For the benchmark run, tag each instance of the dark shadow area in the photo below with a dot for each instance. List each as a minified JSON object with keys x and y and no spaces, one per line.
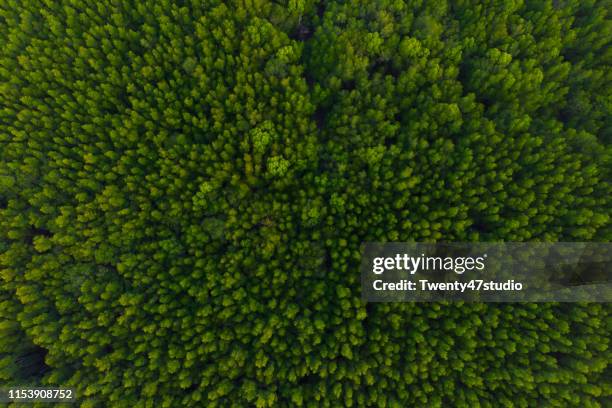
{"x":32,"y":364}
{"x":36,"y":231}
{"x":320,"y":117}
{"x":348,"y":85}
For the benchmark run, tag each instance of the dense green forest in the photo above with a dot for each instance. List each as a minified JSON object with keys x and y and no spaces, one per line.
{"x":185,"y":186}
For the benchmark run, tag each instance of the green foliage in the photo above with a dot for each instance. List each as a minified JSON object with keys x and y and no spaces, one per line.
{"x":185,"y":186}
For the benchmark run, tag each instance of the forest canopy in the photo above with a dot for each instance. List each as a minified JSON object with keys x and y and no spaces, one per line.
{"x":185,"y":186}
